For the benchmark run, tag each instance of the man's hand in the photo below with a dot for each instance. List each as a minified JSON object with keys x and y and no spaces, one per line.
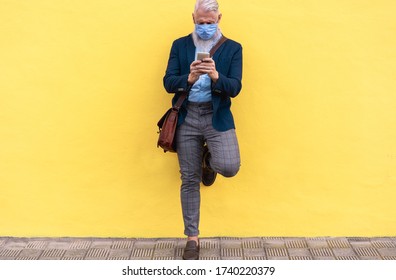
{"x":208,"y":67}
{"x":198,"y":68}
{"x":194,"y":72}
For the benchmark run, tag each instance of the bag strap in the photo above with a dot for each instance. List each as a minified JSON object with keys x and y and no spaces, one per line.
{"x":180,"y":101}
{"x":218,"y":44}
{"x":183,"y":96}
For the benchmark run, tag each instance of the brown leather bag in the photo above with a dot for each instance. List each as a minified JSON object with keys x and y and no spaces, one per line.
{"x":167,"y":126}
{"x":168,"y":123}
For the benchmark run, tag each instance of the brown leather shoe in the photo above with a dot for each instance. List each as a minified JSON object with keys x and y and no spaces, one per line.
{"x":208,"y":174}
{"x":191,"y":251}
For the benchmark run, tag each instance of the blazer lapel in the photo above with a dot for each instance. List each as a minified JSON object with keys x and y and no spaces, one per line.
{"x":190,"y":50}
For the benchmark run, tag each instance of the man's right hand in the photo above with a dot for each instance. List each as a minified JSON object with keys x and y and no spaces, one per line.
{"x":194,"y":72}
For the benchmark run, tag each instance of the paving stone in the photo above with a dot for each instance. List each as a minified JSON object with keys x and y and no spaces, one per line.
{"x":338,"y":243}
{"x":75,"y":254}
{"x":236,"y":253}
{"x":17,"y":244}
{"x":179,"y":253}
{"x":181,"y":243}
{"x":72,"y":258}
{"x":273,"y":238}
{"x":209,"y":258}
{"x":278,"y":258}
{"x":142,"y":253}
{"x":39,"y":244}
{"x":120,"y":254}
{"x":252,"y":243}
{"x":343,"y":252}
{"x":367,"y":253}
{"x":30,"y":254}
{"x":317,"y":242}
{"x":231,"y":238}
{"x":52,"y":254}
{"x":164,"y":252}
{"x":277,"y":253}
{"x":63,"y":245}
{"x":389,"y":258}
{"x":215,"y":252}
{"x":162,"y":258}
{"x":231,"y":254}
{"x":383,"y":243}
{"x":80,"y":244}
{"x":296,"y":243}
{"x":6,"y":254}
{"x":318,"y":258}
{"x":230,"y":243}
{"x":165,"y":245}
{"x":255,"y":258}
{"x":26,"y":258}
{"x":301,"y":258}
{"x":387,"y":252}
{"x":101,"y":244}
{"x":255,"y":252}
{"x":122,"y":244}
{"x":145,"y":244}
{"x":358,"y":239}
{"x":322,"y":253}
{"x":347,"y":258}
{"x":299,"y":252}
{"x":359,"y":242}
{"x":274,"y":242}
{"x":97,"y":254}
{"x":209,"y":244}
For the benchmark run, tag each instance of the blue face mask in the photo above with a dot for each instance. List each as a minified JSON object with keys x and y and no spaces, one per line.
{"x":206,"y":31}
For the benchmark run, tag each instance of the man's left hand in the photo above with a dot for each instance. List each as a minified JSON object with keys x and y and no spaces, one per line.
{"x":208,"y":67}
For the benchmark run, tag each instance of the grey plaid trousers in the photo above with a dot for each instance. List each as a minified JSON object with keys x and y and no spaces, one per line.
{"x":190,"y":138}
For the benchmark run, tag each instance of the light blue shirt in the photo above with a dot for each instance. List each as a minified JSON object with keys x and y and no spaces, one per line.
{"x":201,"y":91}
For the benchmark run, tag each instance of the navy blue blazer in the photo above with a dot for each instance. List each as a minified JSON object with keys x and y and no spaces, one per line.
{"x":228,"y":60}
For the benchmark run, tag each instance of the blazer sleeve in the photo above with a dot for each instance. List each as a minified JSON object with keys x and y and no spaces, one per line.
{"x":229,"y":83}
{"x":175,"y":80}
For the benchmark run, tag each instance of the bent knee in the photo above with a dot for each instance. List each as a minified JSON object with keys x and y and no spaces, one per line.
{"x":229,"y":170}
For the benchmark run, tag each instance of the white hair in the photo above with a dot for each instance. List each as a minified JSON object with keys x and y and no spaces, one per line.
{"x":207,"y":5}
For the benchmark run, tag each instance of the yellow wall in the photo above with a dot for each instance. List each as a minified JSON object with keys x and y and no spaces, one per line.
{"x":81,"y":91}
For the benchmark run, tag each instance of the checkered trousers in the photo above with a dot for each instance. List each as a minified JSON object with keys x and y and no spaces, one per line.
{"x":225,"y":158}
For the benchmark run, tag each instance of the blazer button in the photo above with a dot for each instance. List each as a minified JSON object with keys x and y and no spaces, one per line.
{"x":180,"y":89}
{"x":217,"y":91}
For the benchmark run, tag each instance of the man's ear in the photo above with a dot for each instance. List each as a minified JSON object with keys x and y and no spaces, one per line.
{"x":219,"y":18}
{"x":193,"y":18}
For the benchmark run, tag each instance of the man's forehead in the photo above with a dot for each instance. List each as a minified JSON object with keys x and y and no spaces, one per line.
{"x":202,"y":14}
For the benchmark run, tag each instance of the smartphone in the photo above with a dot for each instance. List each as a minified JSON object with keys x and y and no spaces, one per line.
{"x":202,"y":55}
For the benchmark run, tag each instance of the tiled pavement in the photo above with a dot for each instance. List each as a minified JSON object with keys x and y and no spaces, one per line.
{"x":222,"y":248}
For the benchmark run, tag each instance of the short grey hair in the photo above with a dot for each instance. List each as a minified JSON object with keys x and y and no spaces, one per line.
{"x":207,"y":5}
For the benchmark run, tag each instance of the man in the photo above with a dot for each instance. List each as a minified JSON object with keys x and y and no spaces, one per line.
{"x":206,"y":142}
